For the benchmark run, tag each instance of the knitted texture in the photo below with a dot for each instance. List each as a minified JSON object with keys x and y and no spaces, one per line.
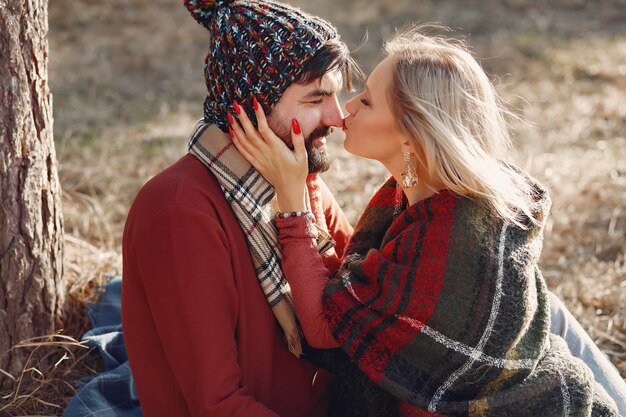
{"x":443,"y":306}
{"x":256,"y":48}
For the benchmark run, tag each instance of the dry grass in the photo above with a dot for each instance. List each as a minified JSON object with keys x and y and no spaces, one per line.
{"x":127,"y":82}
{"x":45,"y":384}
{"x":56,"y":361}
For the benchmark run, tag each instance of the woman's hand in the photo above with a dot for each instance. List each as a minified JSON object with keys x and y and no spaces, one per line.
{"x":285,"y":169}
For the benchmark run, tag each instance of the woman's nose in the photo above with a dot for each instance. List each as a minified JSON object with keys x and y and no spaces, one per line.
{"x":350,"y":106}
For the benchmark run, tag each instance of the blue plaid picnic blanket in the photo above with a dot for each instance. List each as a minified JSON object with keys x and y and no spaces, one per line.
{"x":112,"y":391}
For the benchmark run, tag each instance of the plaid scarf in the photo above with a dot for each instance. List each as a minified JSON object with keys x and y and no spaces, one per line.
{"x":443,"y":305}
{"x":251,"y":198}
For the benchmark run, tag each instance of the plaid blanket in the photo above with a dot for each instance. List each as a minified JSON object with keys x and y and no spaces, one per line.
{"x":443,"y":306}
{"x":111,"y":392}
{"x":251,"y":198}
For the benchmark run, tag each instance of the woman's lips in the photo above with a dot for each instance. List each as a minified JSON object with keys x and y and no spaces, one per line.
{"x":344,"y":128}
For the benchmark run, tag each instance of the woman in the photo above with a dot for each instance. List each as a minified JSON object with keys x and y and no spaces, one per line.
{"x":439,"y":300}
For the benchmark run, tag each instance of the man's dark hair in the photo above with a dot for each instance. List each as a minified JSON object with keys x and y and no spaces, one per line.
{"x":334,"y":55}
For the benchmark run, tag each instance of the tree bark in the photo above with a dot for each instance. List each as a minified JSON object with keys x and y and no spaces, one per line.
{"x":31,"y":223}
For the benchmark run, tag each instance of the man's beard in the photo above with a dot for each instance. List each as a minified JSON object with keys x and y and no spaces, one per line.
{"x":318,"y":158}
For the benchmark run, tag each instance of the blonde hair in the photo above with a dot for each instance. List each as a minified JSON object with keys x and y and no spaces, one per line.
{"x":443,"y":100}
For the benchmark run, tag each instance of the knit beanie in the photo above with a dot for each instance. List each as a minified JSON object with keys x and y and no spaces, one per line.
{"x":256,"y":48}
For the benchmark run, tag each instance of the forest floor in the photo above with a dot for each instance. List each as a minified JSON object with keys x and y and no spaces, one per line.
{"x":127,"y":80}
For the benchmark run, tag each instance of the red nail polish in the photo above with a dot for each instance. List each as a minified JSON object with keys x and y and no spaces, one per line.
{"x":236,"y":107}
{"x":255,"y":103}
{"x":296,"y":126}
{"x":231,"y":133}
{"x":231,"y":119}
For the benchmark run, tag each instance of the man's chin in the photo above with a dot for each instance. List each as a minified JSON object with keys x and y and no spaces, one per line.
{"x":319,"y":159}
{"x":318,"y":169}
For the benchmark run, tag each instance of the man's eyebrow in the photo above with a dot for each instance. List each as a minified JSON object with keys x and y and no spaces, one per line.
{"x":318,"y":92}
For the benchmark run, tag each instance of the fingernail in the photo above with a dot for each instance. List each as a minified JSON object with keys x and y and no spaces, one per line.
{"x":236,"y":107}
{"x":231,"y":119}
{"x":255,"y":103}
{"x":296,"y":126}
{"x":231,"y":133}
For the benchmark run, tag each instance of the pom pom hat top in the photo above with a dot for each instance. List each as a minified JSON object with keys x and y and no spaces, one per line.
{"x":256,"y":48}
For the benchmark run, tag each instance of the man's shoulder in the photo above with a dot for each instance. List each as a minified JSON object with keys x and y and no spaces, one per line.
{"x":186,"y":183}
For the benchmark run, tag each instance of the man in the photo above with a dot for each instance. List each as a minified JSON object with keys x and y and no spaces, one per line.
{"x":207,"y":318}
{"x":201,"y":333}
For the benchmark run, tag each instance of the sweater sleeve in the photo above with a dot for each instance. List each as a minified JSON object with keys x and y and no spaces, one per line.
{"x":185,"y":262}
{"x":307,"y":277}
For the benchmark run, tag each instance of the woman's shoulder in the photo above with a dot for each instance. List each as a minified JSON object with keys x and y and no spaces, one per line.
{"x":476,"y":211}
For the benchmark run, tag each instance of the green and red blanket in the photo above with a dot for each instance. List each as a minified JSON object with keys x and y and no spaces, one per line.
{"x":443,"y":305}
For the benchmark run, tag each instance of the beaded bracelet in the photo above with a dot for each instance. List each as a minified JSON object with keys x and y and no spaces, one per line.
{"x":291,"y":214}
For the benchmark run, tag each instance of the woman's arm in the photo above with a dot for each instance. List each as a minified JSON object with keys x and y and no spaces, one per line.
{"x":307,"y":277}
{"x":287,"y":170}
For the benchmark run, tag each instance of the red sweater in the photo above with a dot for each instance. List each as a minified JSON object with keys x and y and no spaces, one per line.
{"x":200,"y":336}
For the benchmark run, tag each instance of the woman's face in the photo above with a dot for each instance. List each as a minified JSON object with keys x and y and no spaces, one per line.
{"x":370,"y":128}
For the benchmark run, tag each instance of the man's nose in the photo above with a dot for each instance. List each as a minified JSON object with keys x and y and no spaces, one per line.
{"x":333,"y":116}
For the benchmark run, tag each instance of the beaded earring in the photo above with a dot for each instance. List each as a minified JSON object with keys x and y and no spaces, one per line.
{"x":409,"y":175}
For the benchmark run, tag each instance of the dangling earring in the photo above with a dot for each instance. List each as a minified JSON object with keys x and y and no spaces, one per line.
{"x":409,"y":175}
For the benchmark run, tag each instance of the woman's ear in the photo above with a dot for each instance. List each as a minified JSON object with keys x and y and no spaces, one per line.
{"x":410,"y":148}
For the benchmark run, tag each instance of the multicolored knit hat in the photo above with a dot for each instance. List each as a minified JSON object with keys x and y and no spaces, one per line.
{"x":256,"y":48}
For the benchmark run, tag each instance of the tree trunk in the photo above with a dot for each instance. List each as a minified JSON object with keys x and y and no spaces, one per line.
{"x":31,"y":224}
